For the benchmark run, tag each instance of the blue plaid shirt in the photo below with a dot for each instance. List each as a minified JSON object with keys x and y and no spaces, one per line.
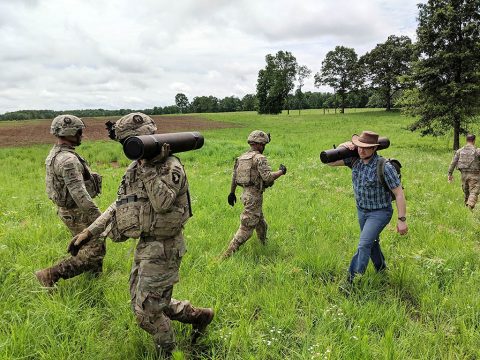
{"x":369,"y":192}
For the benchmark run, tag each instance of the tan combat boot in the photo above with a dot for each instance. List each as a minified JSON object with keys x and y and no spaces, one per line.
{"x":46,"y":277}
{"x":230,"y":250}
{"x":202,"y":319}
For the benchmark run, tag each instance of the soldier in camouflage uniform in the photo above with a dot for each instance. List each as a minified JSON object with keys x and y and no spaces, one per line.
{"x":71,"y":185}
{"x":252,"y":172}
{"x":467,"y":160}
{"x":152,"y":205}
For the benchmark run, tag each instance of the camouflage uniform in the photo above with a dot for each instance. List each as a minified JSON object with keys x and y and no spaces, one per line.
{"x":467,"y":160}
{"x":260,"y":177}
{"x":71,"y":185}
{"x":153,"y":205}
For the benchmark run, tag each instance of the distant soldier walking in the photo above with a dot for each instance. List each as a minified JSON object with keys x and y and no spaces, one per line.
{"x":467,"y":160}
{"x":252,"y":172}
{"x":153,"y":206}
{"x":71,"y":185}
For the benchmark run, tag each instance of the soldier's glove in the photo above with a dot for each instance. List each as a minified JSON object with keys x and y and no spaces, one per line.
{"x":77,"y":242}
{"x":232,"y":199}
{"x":283,"y":169}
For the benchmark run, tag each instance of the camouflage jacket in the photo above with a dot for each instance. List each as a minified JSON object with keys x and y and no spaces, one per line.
{"x":69,"y":181}
{"x":466,"y":159}
{"x":152,"y":200}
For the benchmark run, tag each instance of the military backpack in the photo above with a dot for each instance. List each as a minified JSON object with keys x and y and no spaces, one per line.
{"x":467,"y":156}
{"x":381,"y":172}
{"x":245,"y":174}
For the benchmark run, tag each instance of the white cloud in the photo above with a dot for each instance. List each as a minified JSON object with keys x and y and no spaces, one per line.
{"x":68,"y":54}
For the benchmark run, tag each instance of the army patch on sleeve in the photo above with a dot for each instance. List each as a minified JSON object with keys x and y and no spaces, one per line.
{"x":176,"y":177}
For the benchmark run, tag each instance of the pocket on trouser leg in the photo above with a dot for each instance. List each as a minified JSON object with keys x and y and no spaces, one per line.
{"x":155,"y":276}
{"x":93,"y":251}
{"x":249,"y":220}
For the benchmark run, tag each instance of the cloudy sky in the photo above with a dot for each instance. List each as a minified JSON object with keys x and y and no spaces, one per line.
{"x":111,"y":54}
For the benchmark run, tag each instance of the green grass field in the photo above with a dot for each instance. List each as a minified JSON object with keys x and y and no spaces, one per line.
{"x":281,"y":301}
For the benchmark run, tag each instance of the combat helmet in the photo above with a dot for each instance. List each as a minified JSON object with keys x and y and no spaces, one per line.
{"x":134,"y":124}
{"x":259,"y":137}
{"x":66,"y":125}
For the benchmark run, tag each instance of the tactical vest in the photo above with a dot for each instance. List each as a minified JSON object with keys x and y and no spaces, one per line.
{"x":246,"y":173}
{"x":135,"y":215}
{"x":57,"y":191}
{"x":468,"y":159}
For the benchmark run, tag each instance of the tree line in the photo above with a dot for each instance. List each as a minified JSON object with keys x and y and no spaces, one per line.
{"x":436,"y":79}
{"x":209,"y":104}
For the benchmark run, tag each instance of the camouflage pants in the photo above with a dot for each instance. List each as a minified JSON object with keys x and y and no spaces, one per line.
{"x":155,"y":271}
{"x":471,"y":187}
{"x":90,"y":256}
{"x":251,"y":219}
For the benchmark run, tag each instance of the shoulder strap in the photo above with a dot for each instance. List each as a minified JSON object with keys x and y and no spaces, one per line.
{"x":381,"y":172}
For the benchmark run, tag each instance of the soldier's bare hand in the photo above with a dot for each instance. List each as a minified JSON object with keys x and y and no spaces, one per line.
{"x":162,"y":156}
{"x":450,"y":178}
{"x":77,"y":242}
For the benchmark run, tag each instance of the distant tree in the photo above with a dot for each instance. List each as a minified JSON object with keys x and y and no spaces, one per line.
{"x":229,"y":104}
{"x":275,"y":82}
{"x":341,"y":71}
{"x":303,"y":72}
{"x":203,"y":104}
{"x":358,"y":98}
{"x":171,"y":109}
{"x":157,"y":110}
{"x":249,"y":102}
{"x":315,"y":100}
{"x":448,"y":71}
{"x":386,"y":64}
{"x":182,"y":103}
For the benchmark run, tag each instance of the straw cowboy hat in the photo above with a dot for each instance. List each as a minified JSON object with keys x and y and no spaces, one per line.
{"x":366,"y":139}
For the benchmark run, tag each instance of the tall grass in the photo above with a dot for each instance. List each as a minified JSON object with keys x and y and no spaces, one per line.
{"x":273,"y":302}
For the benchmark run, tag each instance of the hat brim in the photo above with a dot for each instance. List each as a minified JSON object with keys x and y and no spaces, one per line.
{"x":358,"y":143}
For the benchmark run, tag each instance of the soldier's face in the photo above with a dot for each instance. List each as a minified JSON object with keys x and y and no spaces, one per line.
{"x":75,"y":140}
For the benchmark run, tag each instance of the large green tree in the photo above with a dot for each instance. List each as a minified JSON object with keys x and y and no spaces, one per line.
{"x":249,"y":102}
{"x":340,"y":70}
{"x":275,"y":82}
{"x":303,"y":72}
{"x":448,"y":71}
{"x":386,"y":64}
{"x":181,"y":101}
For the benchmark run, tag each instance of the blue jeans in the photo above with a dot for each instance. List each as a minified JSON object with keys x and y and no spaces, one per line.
{"x":372,"y":222}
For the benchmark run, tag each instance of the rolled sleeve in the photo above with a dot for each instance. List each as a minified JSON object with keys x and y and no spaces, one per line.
{"x":72,"y":173}
{"x":265,"y":170}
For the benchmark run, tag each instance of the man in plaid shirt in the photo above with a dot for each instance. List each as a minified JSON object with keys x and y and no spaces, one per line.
{"x":374,"y":205}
